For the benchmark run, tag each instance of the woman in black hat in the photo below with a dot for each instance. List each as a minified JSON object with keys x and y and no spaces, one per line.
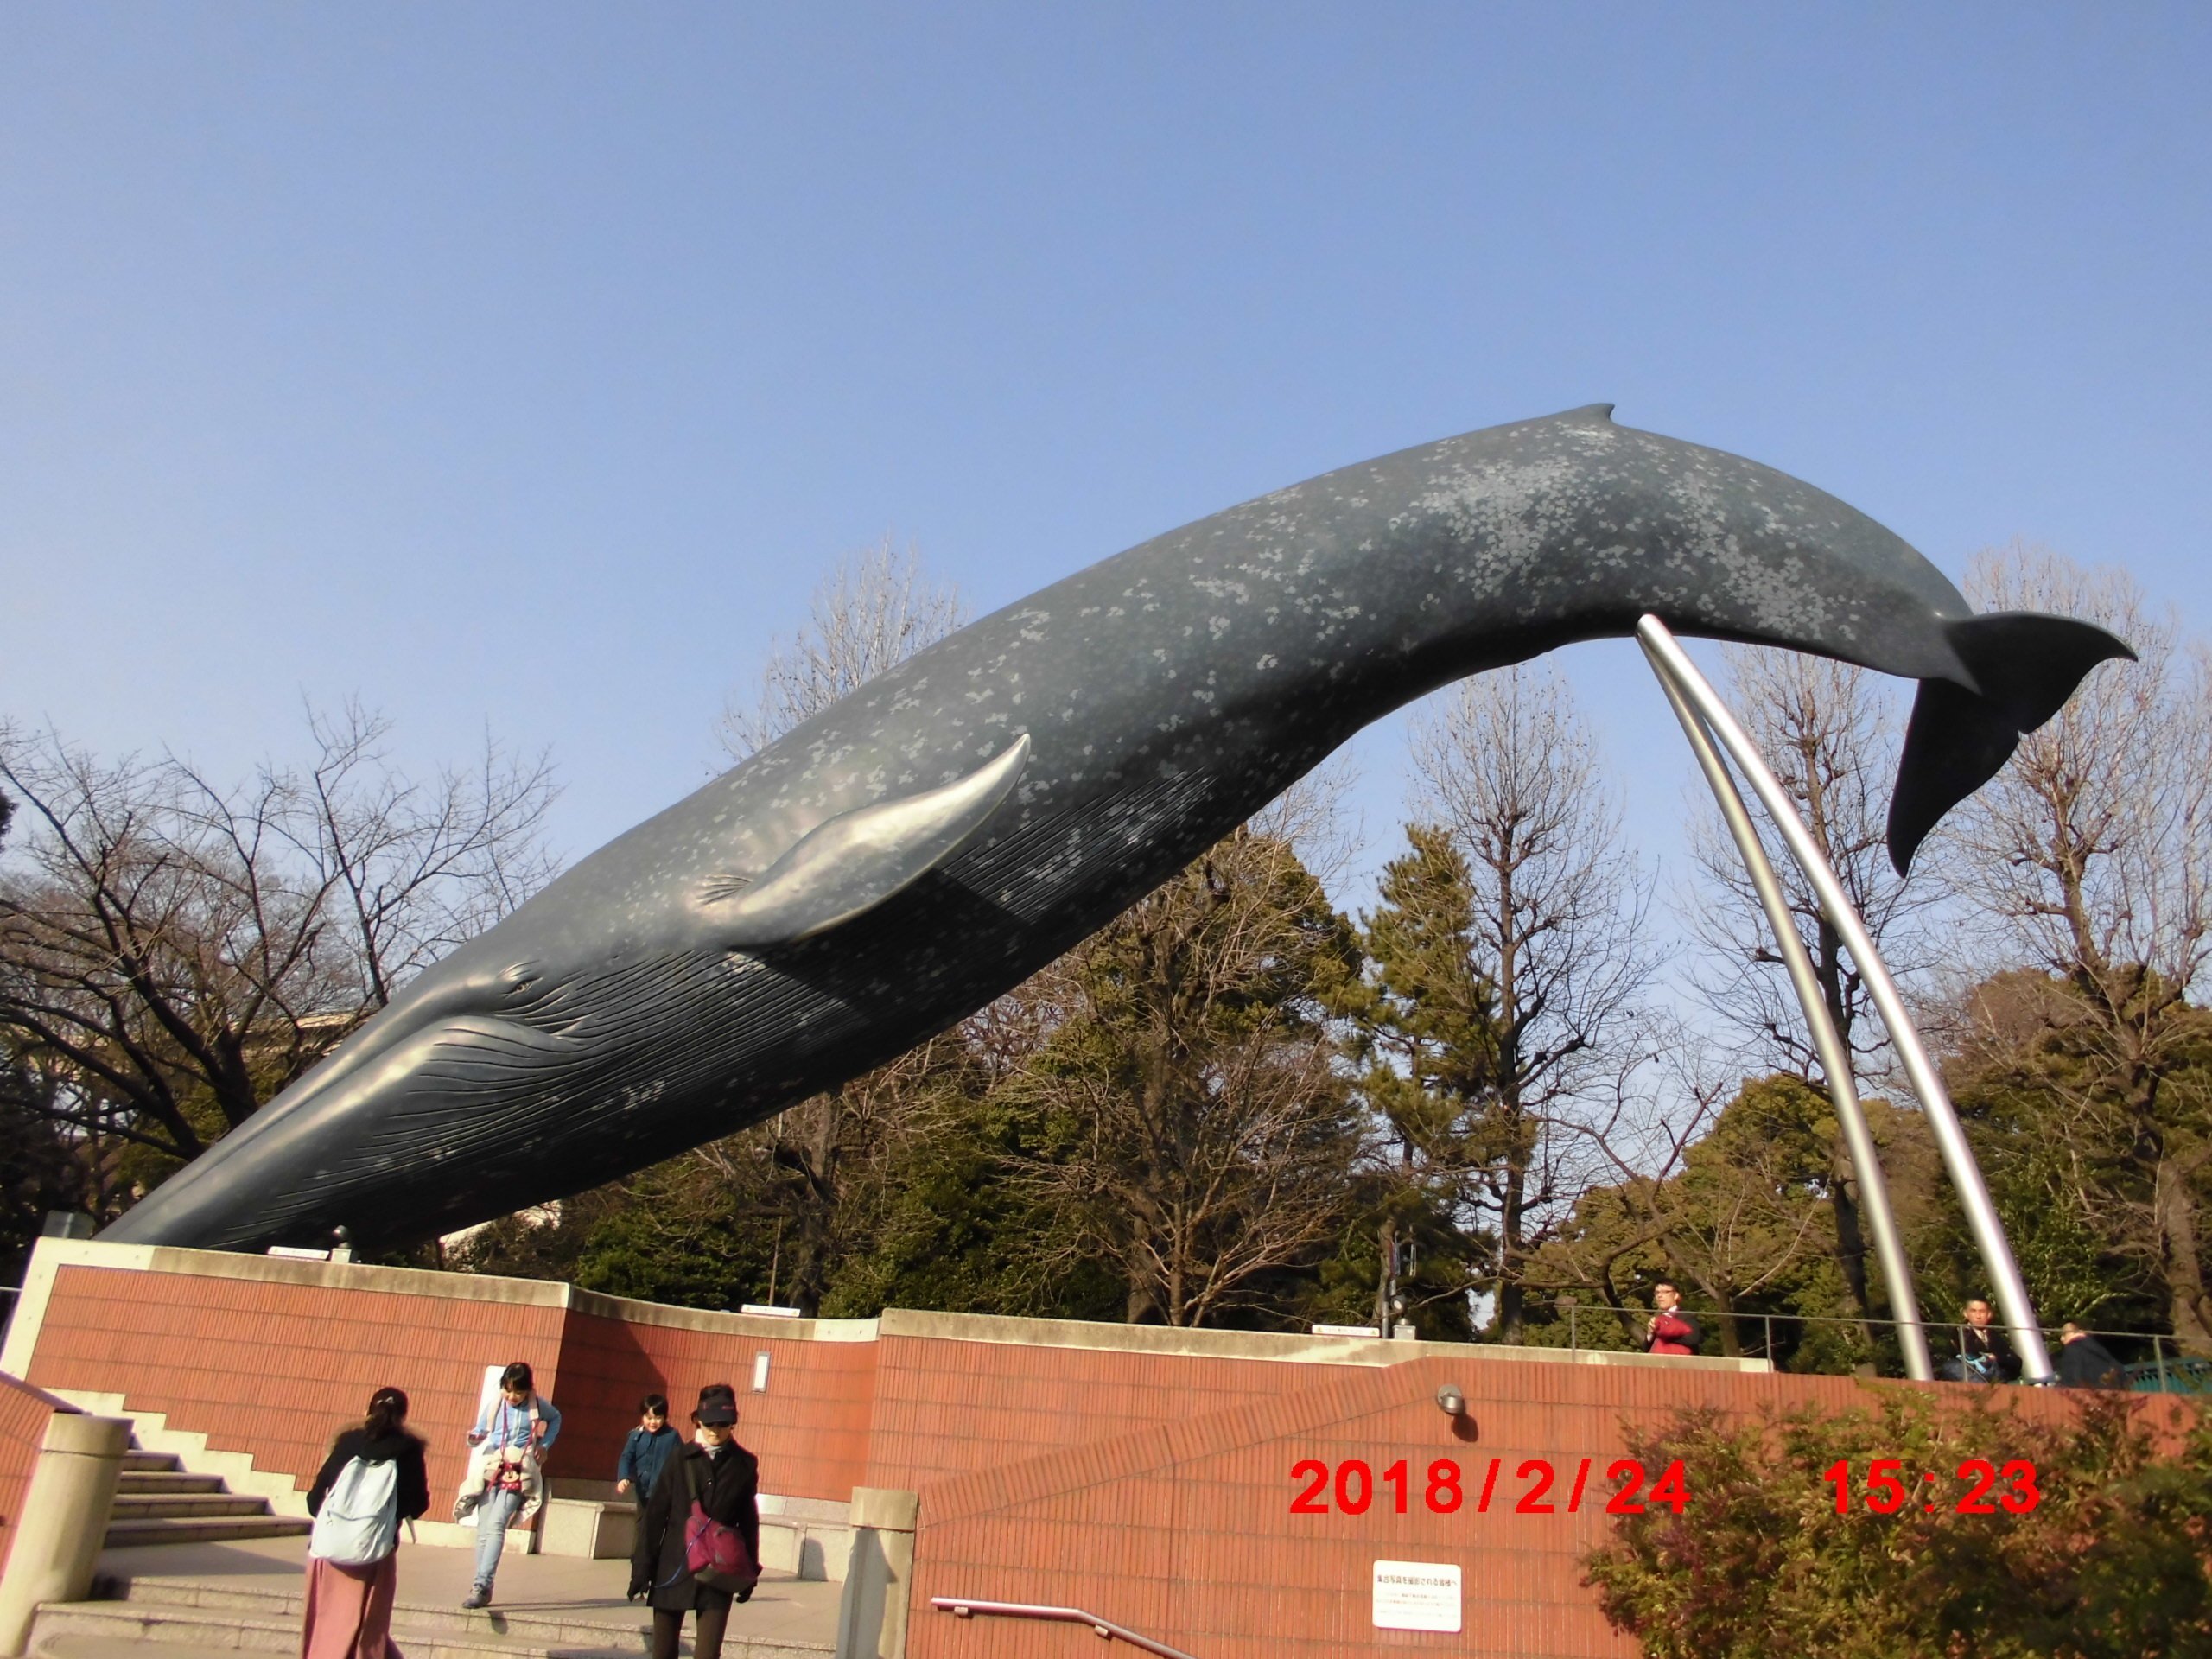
{"x":722,"y":1479}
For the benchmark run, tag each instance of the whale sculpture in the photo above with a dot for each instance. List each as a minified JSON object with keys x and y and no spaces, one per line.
{"x":925,"y":843}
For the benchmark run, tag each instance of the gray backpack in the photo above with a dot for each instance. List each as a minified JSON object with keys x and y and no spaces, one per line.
{"x":358,"y":1524}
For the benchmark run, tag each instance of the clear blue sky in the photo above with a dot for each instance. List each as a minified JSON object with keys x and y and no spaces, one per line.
{"x":524,"y":365}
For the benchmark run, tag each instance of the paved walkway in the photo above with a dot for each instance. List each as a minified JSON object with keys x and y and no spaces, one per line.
{"x":534,"y":1595}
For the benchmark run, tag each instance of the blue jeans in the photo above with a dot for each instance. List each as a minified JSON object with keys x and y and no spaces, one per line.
{"x":491,"y":1517}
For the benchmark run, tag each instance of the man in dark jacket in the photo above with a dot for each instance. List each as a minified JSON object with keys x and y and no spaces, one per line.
{"x":1985,"y":1352}
{"x":723,"y":1479}
{"x":2085,"y":1363}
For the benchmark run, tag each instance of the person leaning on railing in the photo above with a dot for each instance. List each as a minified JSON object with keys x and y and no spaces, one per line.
{"x":2085,"y":1363}
{"x":1985,"y":1352}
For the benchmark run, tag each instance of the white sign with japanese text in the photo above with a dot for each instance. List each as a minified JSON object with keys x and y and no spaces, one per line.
{"x":1416,"y":1596}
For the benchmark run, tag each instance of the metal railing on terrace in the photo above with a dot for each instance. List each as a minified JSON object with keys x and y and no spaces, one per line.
{"x":2153,"y":1362}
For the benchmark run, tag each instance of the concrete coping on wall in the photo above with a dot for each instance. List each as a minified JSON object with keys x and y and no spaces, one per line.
{"x":1277,"y":1345}
{"x":885,"y":1509}
{"x":51,"y":1255}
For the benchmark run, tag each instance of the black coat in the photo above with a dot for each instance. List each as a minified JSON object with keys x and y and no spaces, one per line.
{"x":1992,"y":1345}
{"x":729,"y":1487}
{"x":397,"y":1446}
{"x":2085,"y":1363}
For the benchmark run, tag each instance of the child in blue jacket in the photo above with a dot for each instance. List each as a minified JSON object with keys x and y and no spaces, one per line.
{"x":645,"y":1452}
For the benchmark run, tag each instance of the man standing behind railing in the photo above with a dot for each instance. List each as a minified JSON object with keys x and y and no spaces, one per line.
{"x":1668,"y":1331}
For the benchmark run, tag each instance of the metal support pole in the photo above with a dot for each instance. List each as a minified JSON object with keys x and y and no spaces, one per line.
{"x":1982,"y":1221}
{"x":1835,"y":1059}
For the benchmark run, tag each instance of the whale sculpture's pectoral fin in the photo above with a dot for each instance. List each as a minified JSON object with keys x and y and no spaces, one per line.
{"x":2026,"y":666}
{"x":851,"y":864}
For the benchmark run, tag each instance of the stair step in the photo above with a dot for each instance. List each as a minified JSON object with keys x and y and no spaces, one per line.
{"x":418,"y":1626}
{"x":74,"y":1645}
{"x":65,"y":1630}
{"x":203,"y":1529}
{"x":155,"y":1506}
{"x":215,"y":1600}
{"x":136,"y":1461}
{"x":167,"y":1480}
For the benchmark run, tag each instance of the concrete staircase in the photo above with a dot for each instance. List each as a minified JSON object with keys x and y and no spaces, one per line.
{"x":158,"y":1502}
{"x":181,"y":1620}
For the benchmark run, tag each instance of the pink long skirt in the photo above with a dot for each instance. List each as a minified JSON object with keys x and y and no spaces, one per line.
{"x":349,"y":1611}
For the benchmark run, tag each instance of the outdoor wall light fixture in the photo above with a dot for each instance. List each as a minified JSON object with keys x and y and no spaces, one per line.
{"x":1450,"y":1401}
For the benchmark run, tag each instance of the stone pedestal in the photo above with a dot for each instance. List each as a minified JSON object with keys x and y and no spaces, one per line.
{"x":879,"y":1579}
{"x":64,"y":1519}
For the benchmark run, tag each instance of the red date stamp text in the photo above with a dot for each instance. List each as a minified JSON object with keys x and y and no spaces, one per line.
{"x":1353,"y":1487}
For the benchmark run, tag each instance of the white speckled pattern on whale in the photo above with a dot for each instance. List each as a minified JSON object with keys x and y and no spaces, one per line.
{"x":889,"y":866}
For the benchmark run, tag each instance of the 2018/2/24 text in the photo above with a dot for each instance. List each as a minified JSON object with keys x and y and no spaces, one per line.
{"x":1350,"y":1488}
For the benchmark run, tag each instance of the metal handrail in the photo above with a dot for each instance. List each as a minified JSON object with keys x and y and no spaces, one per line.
{"x":2158,"y":1364}
{"x":967,"y":1607}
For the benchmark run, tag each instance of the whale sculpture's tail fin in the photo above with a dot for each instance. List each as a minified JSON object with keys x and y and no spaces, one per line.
{"x":2027,"y":664}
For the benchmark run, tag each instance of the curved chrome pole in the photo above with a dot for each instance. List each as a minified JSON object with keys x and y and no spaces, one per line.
{"x":1982,"y":1220}
{"x":1835,"y":1059}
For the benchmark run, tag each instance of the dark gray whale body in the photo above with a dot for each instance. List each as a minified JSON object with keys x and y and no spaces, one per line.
{"x":925,"y":844}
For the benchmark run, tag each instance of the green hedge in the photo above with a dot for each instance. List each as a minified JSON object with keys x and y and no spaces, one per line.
{"x":2114,"y":1561}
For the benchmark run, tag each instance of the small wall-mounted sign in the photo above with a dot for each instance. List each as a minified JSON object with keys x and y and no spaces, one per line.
{"x":760,"y":1372}
{"x":1416,"y":1596}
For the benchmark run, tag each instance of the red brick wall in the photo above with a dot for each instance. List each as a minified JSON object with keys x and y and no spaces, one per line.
{"x":946,"y":1408}
{"x":1150,"y":1487}
{"x":809,"y":1429}
{"x":1184,"y":1531}
{"x":23,"y":1413}
{"x":276,"y":1369}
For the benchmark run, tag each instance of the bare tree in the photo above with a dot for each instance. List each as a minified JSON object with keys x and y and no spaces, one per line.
{"x":798,"y":1170}
{"x":1315,"y":819}
{"x":876,"y":609}
{"x":1509,"y":774}
{"x":2091,"y":854}
{"x":174,"y":951}
{"x":1831,"y":736}
{"x":1716,"y":1184}
{"x":1642,"y":1136}
{"x":1197,"y":1131}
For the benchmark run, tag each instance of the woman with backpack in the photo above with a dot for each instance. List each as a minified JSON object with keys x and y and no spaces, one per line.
{"x":699,"y":1540}
{"x":371,"y":1481}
